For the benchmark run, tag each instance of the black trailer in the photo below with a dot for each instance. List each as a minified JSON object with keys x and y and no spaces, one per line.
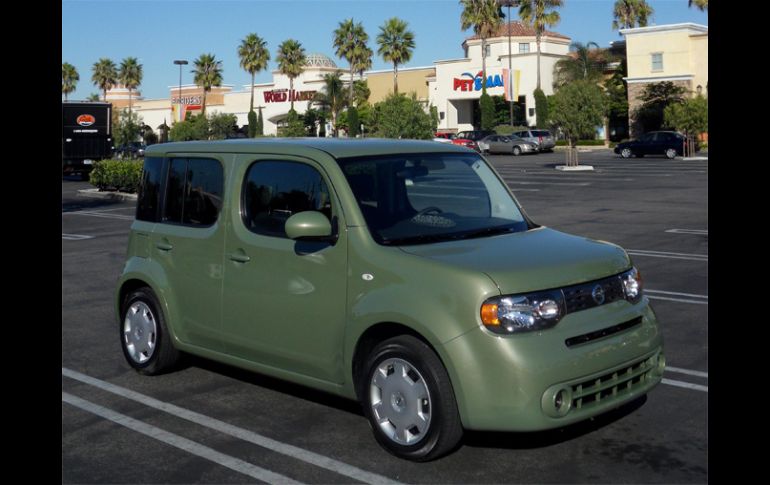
{"x":86,"y":135}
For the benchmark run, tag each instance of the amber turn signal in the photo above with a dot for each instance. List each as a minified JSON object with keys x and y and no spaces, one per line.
{"x":489,"y":314}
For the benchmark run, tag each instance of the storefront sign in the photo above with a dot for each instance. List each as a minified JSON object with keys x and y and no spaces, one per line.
{"x":469,"y":82}
{"x":86,"y":120}
{"x":283,"y":95}
{"x":187,"y":100}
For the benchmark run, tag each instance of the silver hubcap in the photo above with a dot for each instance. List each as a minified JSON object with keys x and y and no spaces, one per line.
{"x":670,"y":153}
{"x":140,"y":333}
{"x":626,"y":153}
{"x":400,"y":401}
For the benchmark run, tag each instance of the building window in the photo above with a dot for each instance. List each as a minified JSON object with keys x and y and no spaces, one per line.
{"x":657,"y":61}
{"x":523,"y":48}
{"x":487,"y":50}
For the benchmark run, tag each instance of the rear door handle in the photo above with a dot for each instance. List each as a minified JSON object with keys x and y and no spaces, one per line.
{"x":164,"y":246}
{"x":240,"y":257}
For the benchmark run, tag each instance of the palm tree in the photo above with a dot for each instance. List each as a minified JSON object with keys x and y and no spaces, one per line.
{"x":588,"y":64}
{"x":630,"y":13}
{"x":291,"y":63}
{"x":105,"y":75}
{"x":130,"y":76}
{"x":701,"y":4}
{"x":350,"y":42}
{"x":207,"y":74}
{"x":332,"y":98}
{"x":69,"y":78}
{"x":485,"y":16}
{"x":93,"y":97}
{"x":534,"y":13}
{"x":254,"y":56}
{"x":396,"y":45}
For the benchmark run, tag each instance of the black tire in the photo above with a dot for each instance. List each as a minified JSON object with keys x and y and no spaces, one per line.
{"x":516,"y":150}
{"x":671,"y":153}
{"x":626,"y":153}
{"x":164,"y":356}
{"x":444,"y":429}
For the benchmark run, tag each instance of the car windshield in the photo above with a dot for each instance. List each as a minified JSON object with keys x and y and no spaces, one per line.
{"x":430,"y":197}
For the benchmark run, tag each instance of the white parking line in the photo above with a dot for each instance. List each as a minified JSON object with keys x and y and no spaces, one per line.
{"x":703,"y":232}
{"x":571,"y":184}
{"x":680,"y":300}
{"x":240,"y":433}
{"x":666,"y":254}
{"x":675,"y":293}
{"x":177,"y":441}
{"x":689,"y":372}
{"x":686,"y":385}
{"x":75,"y":237}
{"x":99,"y":214}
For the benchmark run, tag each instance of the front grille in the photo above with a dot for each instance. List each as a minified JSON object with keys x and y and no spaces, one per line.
{"x":580,"y":297}
{"x":612,"y":385}
{"x":601,"y":333}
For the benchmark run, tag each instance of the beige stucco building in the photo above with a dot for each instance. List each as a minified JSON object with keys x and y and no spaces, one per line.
{"x":675,"y":52}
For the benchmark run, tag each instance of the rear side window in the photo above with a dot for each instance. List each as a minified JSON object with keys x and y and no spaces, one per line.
{"x":148,"y":200}
{"x":194,"y":191}
{"x":541,"y":133}
{"x":274,"y":191}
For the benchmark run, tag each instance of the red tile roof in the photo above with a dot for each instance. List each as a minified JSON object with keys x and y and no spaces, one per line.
{"x":519,"y":29}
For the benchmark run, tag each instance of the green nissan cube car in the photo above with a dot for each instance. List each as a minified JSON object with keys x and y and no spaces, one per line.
{"x":402,"y":274}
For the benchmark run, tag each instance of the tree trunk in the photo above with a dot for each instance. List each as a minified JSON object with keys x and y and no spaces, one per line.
{"x":291,"y":90}
{"x":483,"y":63}
{"x":203,"y":108}
{"x":538,"y":61}
{"x":251,"y":104}
{"x":395,"y":78}
{"x":129,"y":102}
{"x":105,"y":95}
{"x":350,"y":100}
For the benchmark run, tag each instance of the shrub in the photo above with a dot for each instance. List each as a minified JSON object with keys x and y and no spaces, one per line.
{"x":252,"y":124}
{"x":508,"y":129}
{"x":401,"y":116}
{"x":353,"y":122}
{"x":122,"y":175}
{"x":562,"y":143}
{"x":487,"y":107}
{"x":541,"y":108}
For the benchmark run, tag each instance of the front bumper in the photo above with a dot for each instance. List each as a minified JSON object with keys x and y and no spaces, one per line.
{"x":514,"y":383}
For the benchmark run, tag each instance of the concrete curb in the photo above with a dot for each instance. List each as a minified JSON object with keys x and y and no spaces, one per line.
{"x":579,"y":168}
{"x":97,"y":194}
{"x":688,"y":159}
{"x":583,"y":149}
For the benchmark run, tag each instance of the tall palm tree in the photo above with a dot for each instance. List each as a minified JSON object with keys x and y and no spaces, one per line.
{"x":485,"y":16}
{"x":628,"y":14}
{"x":396,"y":45}
{"x":533,"y":12}
{"x":130,"y":76}
{"x":69,"y":78}
{"x":254,"y":56}
{"x":104,"y":75}
{"x":93,"y":97}
{"x":207,"y":74}
{"x":701,"y":4}
{"x":587,"y":64}
{"x":332,"y":97}
{"x":291,"y":62}
{"x":350,"y":43}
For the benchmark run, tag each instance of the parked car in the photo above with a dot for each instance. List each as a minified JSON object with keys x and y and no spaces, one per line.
{"x":131,"y":150}
{"x":465,"y":142}
{"x":475,"y":135}
{"x":668,"y":143}
{"x":506,"y":144}
{"x":542,"y":138}
{"x":444,"y":137}
{"x":366,"y":270}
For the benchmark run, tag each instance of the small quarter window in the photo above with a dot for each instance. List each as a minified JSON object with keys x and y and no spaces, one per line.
{"x":657,"y":61}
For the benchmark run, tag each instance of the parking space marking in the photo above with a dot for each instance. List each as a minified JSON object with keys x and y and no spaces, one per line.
{"x":234,"y":431}
{"x":676,"y":293}
{"x":686,"y":385}
{"x":75,"y":237}
{"x":571,"y":184}
{"x":680,"y":300}
{"x":177,"y":441}
{"x":666,"y":254}
{"x":689,"y":372}
{"x":703,"y":232}
{"x":99,"y":214}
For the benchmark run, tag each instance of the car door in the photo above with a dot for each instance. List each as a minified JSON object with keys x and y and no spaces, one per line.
{"x":494,"y":144}
{"x":284,"y":300}
{"x":187,"y":243}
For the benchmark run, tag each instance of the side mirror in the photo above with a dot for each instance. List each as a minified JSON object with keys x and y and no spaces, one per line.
{"x":310,"y":225}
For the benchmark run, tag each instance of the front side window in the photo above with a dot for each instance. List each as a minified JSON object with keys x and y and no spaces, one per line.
{"x":523,"y":48}
{"x":657,"y":61}
{"x":194,"y":191}
{"x":430,"y":197}
{"x":148,"y":199}
{"x":274,"y":191}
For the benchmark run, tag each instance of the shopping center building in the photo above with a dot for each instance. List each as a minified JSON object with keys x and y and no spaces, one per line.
{"x":453,"y":86}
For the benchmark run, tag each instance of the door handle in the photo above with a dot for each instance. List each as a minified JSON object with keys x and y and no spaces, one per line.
{"x":239,"y":257}
{"x":164,"y":246}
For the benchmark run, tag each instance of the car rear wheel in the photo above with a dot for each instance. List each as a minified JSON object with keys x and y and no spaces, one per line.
{"x":144,"y":335}
{"x":409,"y":400}
{"x":626,"y":153}
{"x":670,"y":153}
{"x":516,"y":151}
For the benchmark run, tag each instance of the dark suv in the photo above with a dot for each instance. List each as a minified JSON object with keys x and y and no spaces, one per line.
{"x":668,"y":143}
{"x":475,"y":135}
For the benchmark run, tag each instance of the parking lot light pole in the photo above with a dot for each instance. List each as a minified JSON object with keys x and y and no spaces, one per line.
{"x":509,"y":4}
{"x":180,"y":63}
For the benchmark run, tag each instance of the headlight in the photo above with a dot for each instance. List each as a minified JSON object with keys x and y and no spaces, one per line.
{"x":632,"y":285}
{"x":523,"y":313}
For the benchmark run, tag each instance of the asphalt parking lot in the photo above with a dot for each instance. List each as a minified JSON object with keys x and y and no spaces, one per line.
{"x":210,"y":423}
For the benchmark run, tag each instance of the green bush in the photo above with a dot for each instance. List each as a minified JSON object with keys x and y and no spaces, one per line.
{"x":508,"y":129}
{"x":563,"y":143}
{"x":122,"y":175}
{"x":541,"y":109}
{"x":401,"y":116}
{"x":487,"y":107}
{"x":252,"y":124}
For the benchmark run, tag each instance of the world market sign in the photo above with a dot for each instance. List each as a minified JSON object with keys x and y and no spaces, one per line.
{"x":187,"y":100}
{"x":469,"y":82}
{"x":283,"y":95}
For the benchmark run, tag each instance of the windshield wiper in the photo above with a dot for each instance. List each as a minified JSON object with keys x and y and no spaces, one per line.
{"x":455,"y":236}
{"x":487,"y":231}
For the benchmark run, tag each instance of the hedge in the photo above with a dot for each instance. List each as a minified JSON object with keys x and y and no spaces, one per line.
{"x":563,"y":143}
{"x":508,"y":129}
{"x":121,"y":175}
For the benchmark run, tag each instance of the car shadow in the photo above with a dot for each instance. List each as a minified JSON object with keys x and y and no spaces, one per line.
{"x":542,"y":439}
{"x":82,"y":203}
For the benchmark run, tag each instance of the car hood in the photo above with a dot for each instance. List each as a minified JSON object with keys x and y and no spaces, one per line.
{"x":537,"y":259}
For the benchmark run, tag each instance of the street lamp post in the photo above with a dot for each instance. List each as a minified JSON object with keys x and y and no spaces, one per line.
{"x":509,"y":4}
{"x":180,"y":63}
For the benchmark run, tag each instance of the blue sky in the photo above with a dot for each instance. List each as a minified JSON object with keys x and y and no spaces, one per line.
{"x":159,"y":31}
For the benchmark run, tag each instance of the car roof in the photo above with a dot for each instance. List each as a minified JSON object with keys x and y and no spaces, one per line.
{"x":336,"y":147}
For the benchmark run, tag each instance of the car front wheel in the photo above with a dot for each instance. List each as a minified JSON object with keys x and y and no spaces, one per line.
{"x":144,"y":335}
{"x":516,"y":151}
{"x":626,"y":153}
{"x":409,"y":400}
{"x":671,"y":153}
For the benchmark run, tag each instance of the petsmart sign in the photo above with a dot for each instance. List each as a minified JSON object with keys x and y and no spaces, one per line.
{"x":469,"y":82}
